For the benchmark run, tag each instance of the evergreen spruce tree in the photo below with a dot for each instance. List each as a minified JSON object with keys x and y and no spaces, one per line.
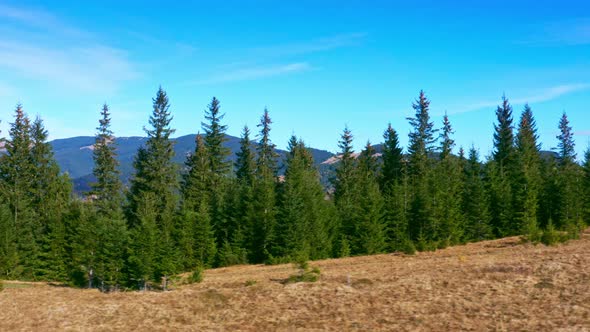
{"x":569,"y":183}
{"x":475,"y":201}
{"x":528,"y":176}
{"x":214,"y":138}
{"x":144,"y":238}
{"x":370,"y":229}
{"x":392,"y":158}
{"x":108,"y":187}
{"x":448,"y":186}
{"x":264,"y":203}
{"x":344,"y":187}
{"x":245,"y":164}
{"x":8,"y":244}
{"x":501,"y":173}
{"x":111,"y":228}
{"x":421,"y":139}
{"x":197,"y":238}
{"x":195,"y":181}
{"x":155,"y":173}
{"x":305,"y":218}
{"x":241,"y":223}
{"x":51,"y":194}
{"x":586,"y":186}
{"x":394,"y":191}
{"x":18,"y":183}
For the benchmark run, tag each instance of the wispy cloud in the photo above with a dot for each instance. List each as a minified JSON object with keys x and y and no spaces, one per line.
{"x":260,"y":62}
{"x":312,"y":46}
{"x":84,"y":68}
{"x":47,"y":50}
{"x":537,"y":96}
{"x":252,"y":73}
{"x":569,"y":32}
{"x":38,"y":18}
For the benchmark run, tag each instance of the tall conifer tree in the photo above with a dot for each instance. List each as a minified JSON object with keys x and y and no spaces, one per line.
{"x":501,"y":173}
{"x":344,"y":187}
{"x":108,"y":185}
{"x":475,"y":201}
{"x":155,"y":173}
{"x":528,"y":175}
{"x":264,"y":203}
{"x":421,"y":139}
{"x":568,"y":180}
{"x":448,"y":186}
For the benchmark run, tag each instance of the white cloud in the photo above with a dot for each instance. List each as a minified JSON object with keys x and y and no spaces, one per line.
{"x":317,"y":45}
{"x":43,"y":49}
{"x":567,"y":32}
{"x":538,"y":96}
{"x":252,"y":73}
{"x":551,"y":93}
{"x":39,"y":19}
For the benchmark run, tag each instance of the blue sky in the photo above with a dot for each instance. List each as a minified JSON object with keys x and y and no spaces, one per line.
{"x":317,"y":65}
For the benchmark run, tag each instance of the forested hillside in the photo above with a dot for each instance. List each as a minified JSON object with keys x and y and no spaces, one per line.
{"x":221,"y":207}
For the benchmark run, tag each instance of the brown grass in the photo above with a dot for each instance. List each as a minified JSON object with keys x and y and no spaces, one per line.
{"x":496,"y":285}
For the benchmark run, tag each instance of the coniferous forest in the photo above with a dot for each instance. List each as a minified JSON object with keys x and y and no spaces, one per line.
{"x":212,"y":212}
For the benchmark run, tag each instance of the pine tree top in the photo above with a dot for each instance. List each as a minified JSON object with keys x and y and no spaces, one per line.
{"x":566,"y":145}
{"x":447,"y":143}
{"x":503,"y":135}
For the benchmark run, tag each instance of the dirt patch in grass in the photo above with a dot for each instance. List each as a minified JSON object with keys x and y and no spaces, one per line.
{"x":494,"y":285}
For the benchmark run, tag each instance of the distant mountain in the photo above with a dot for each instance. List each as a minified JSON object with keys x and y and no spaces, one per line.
{"x":74,"y":156}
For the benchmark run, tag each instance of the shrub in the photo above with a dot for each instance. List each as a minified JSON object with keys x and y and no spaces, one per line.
{"x":1,"y":286}
{"x":408,"y":247}
{"x":197,"y":275}
{"x":304,"y":274}
{"x":550,"y":235}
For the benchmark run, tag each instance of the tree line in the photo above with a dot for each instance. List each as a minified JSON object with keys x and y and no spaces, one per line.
{"x":212,"y":212}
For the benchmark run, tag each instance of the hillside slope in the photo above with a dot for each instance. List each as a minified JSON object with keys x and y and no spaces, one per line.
{"x":494,"y":285}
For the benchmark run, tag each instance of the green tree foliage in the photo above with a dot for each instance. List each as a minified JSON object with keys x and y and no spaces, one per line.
{"x":51,"y":195}
{"x":196,"y":178}
{"x":108,"y":184}
{"x":251,"y":214}
{"x":370,"y":229}
{"x":421,"y":139}
{"x":18,"y":183}
{"x":569,"y":181}
{"x":344,"y":186}
{"x":586,"y":186}
{"x":144,"y":242}
{"x":263,"y":217}
{"x":392,"y":158}
{"x":447,"y":189}
{"x":240,"y":200}
{"x":500,"y":173}
{"x":394,"y":187}
{"x":197,"y":238}
{"x":156,"y":173}
{"x":304,"y":228}
{"x":527,"y":181}
{"x":475,"y":201}
{"x":214,"y":138}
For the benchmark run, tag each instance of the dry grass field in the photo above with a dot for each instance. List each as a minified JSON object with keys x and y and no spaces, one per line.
{"x":497,"y":285}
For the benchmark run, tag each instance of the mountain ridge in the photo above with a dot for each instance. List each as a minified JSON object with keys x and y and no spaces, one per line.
{"x":74,"y":155}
